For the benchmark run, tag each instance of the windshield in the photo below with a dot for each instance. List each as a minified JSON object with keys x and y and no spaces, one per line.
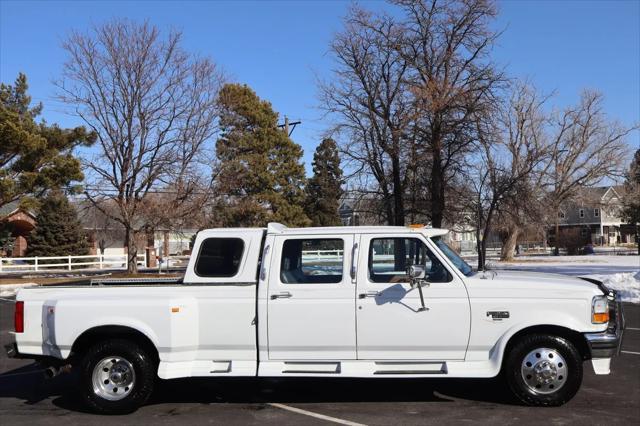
{"x":453,"y":256}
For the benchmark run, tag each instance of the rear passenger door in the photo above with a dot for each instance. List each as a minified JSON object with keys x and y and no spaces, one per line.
{"x":311,"y":299}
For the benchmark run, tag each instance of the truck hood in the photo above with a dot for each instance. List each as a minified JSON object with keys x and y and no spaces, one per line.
{"x":523,"y":282}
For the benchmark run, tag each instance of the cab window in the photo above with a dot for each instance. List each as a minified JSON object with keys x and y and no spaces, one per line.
{"x":312,"y":261}
{"x":389,"y":259}
{"x":219,"y":257}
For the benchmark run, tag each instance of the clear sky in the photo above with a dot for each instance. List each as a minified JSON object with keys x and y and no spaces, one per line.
{"x":279,"y":47}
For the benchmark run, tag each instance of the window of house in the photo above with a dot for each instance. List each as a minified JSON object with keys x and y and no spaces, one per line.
{"x":596,"y":212}
{"x":312,"y":261}
{"x":219,"y":257}
{"x":581,"y":212}
{"x":390,"y":257}
{"x":583,"y":232}
{"x":561,"y":215}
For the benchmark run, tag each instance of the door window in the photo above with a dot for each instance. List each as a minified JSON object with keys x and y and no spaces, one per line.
{"x":389,"y":259}
{"x":312,"y":261}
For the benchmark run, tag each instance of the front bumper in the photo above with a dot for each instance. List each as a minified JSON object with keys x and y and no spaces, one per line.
{"x":609,"y":342}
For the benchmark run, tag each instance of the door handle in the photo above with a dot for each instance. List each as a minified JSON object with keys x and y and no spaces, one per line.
{"x":369,"y":294}
{"x":281,"y":295}
{"x":354,"y":260}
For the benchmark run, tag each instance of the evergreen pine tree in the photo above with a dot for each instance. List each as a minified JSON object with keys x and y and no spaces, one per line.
{"x":34,"y":157}
{"x":260,"y":178}
{"x":323,"y":190}
{"x":58,"y":231}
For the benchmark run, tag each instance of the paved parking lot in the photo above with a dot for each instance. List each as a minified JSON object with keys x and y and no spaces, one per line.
{"x":25,"y":397}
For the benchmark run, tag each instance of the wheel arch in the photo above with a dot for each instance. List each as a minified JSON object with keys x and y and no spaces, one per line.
{"x":105,"y":332}
{"x":574,"y":337}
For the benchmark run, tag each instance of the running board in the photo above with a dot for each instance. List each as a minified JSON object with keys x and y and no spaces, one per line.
{"x":410,"y":368}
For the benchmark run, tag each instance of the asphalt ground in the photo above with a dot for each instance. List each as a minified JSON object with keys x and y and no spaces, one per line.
{"x":27,"y":398}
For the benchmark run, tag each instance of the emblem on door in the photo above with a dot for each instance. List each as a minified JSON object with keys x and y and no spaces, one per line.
{"x":498,"y":315}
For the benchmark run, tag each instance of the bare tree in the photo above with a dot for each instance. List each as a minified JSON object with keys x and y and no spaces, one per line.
{"x":446,"y":44}
{"x":153,"y":107}
{"x":513,"y":151}
{"x":524,"y":121}
{"x":586,"y":148}
{"x":372,"y":108}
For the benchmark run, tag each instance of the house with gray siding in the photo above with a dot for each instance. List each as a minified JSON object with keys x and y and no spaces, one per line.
{"x":595,"y":217}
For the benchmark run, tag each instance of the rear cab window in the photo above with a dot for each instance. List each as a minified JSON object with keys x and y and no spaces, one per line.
{"x":219,"y":257}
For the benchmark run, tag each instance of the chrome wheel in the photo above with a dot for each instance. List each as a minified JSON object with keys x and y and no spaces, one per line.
{"x":544,"y":371}
{"x":113,"y":378}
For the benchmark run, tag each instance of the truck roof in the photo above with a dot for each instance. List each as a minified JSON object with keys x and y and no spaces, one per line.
{"x":278,"y":228}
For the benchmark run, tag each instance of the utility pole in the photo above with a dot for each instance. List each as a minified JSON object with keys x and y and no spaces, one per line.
{"x":286,"y":125}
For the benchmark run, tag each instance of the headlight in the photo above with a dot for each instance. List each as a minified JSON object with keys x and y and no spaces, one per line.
{"x":600,"y":310}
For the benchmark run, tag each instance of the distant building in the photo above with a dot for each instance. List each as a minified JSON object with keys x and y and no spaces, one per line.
{"x":104,"y":235}
{"x":19,"y":223}
{"x":594,"y":217}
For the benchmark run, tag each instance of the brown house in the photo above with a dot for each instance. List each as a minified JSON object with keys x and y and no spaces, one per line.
{"x":20,"y":223}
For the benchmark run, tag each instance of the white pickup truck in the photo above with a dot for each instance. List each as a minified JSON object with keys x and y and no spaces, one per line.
{"x":371,"y":302}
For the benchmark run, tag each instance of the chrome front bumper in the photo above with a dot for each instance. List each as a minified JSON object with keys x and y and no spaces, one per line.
{"x":609,"y":342}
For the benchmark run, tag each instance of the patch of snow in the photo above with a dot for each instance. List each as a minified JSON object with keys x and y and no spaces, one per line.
{"x":9,"y":290}
{"x":627,"y":284}
{"x":573,"y":265}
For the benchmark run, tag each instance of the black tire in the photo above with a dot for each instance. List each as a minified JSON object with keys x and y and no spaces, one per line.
{"x":515,"y":360}
{"x":143,"y":366}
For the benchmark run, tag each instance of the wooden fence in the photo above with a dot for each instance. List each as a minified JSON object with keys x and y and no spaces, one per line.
{"x":40,"y":263}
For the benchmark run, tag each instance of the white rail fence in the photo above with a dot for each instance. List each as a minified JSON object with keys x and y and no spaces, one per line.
{"x":40,"y":263}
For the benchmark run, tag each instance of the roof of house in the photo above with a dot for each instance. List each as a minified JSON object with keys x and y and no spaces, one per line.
{"x":596,"y":193}
{"x":12,"y":207}
{"x":7,"y":209}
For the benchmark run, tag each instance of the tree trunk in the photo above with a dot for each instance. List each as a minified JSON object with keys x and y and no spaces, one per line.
{"x":437,"y":187}
{"x":479,"y":248}
{"x":398,"y":194}
{"x":509,"y":246}
{"x":399,"y":254}
{"x":132,"y":251}
{"x":480,"y":258}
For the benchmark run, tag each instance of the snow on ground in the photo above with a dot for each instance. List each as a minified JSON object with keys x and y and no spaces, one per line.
{"x":627,"y":284}
{"x":572,"y":265}
{"x":620,"y":273}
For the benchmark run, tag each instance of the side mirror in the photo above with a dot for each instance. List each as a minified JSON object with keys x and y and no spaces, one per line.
{"x":416,"y":272}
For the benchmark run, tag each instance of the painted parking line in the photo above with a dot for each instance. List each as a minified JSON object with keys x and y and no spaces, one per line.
{"x":315,"y":415}
{"x":632,"y":328}
{"x":630,"y":352}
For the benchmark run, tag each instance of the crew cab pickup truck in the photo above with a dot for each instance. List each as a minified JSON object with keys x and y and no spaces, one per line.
{"x":368,"y":302}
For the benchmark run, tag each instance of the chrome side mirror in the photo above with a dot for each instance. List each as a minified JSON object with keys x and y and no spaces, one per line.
{"x":416,"y":272}
{"x":417,"y":275}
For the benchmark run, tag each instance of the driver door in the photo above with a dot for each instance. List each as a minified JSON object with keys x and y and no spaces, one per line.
{"x":390,"y":324}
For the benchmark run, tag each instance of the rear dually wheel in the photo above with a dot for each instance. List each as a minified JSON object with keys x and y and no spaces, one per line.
{"x":117,"y":376}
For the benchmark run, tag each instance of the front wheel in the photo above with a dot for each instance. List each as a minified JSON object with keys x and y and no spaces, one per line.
{"x":543,"y":370}
{"x":117,"y":377}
